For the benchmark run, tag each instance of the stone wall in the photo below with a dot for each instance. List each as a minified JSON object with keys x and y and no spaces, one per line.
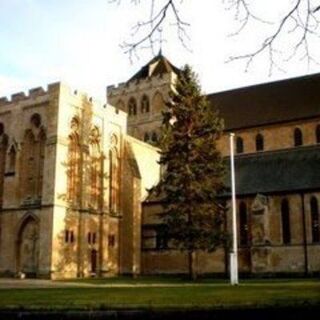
{"x":276,"y":137}
{"x":264,"y":253}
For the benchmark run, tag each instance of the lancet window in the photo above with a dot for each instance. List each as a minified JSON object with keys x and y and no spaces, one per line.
{"x":259,"y":142}
{"x":74,"y":162}
{"x":315,"y":227}
{"x":145,"y":104}
{"x":12,"y":157}
{"x":243,"y":217}
{"x":33,"y":154}
{"x":114,"y":180}
{"x":95,"y":168}
{"x":239,"y":145}
{"x":298,"y":137}
{"x":157,"y":102}
{"x":132,"y":107}
{"x":285,"y":221}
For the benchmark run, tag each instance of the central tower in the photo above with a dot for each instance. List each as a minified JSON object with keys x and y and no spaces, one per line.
{"x":143,"y":97}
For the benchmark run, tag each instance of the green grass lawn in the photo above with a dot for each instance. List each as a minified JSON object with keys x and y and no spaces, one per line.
{"x":220,"y":295}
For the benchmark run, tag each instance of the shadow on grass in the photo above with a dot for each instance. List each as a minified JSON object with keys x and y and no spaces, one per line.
{"x":183,"y":279}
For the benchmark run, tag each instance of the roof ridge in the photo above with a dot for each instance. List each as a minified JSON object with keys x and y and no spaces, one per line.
{"x":262,"y":84}
{"x":144,"y":71}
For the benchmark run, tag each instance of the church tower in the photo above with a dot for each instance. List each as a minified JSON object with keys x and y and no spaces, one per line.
{"x":143,"y":97}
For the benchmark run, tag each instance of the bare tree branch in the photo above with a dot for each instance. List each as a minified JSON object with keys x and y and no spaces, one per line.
{"x":298,"y":25}
{"x":148,"y":31}
{"x":301,"y":14}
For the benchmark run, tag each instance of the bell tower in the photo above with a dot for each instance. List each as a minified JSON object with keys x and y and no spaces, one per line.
{"x":143,"y":97}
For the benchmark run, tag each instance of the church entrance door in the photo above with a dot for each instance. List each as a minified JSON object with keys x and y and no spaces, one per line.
{"x":28,"y":247}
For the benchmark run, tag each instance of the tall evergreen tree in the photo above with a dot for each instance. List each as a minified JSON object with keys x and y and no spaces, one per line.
{"x":193,"y":170}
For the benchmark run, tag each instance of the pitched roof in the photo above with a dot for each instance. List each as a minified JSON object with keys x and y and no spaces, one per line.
{"x":269,"y":103}
{"x":290,"y":170}
{"x":156,"y":66}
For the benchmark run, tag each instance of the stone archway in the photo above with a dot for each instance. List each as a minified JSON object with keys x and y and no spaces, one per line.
{"x":28,"y":247}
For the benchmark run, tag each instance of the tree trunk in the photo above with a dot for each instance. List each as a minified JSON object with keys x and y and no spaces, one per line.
{"x":192,"y":265}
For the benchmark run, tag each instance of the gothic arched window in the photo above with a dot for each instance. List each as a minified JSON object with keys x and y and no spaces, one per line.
{"x":239,"y":145}
{"x":40,"y":159}
{"x":132,"y":107}
{"x":12,"y":160}
{"x":157,"y":102}
{"x":29,"y":165}
{"x":35,"y":120}
{"x":259,"y":142}
{"x":114,"y":180}
{"x":154,"y":137}
{"x":33,"y":153}
{"x":95,"y":172}
{"x":243,"y":224}
{"x":146,"y":137}
{"x":285,"y":221}
{"x":298,"y":138}
{"x":315,"y":219}
{"x":145,"y":104}
{"x":73,"y":168}
{"x":318,"y":133}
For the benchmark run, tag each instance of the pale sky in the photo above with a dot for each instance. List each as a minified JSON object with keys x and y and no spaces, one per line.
{"x":77,"y":42}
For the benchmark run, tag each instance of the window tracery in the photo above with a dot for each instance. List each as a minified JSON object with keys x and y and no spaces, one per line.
{"x":157,"y":102}
{"x":114,"y":176}
{"x":145,"y":104}
{"x":132,"y":107}
{"x":95,"y":168}
{"x":12,"y":158}
{"x":74,"y":161}
{"x":33,"y":154}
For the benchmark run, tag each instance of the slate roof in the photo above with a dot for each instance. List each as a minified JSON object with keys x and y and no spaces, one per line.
{"x":290,"y":170}
{"x":269,"y":103}
{"x":156,"y":66}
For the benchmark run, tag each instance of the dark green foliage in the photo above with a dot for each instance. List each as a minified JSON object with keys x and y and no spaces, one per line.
{"x":193,"y":168}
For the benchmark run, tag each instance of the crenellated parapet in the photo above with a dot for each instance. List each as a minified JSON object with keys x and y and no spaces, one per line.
{"x":32,"y":95}
{"x":53,"y":89}
{"x":140,"y":85}
{"x":3,"y":101}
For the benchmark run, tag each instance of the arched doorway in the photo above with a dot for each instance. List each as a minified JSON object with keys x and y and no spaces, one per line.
{"x":28,"y":247}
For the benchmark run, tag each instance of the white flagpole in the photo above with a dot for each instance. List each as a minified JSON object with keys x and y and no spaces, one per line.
{"x":234,"y":252}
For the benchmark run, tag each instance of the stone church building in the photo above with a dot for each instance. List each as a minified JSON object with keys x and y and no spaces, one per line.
{"x":75,"y":174}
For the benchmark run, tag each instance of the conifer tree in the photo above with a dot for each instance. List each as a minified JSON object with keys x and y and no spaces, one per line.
{"x":193,"y":171}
